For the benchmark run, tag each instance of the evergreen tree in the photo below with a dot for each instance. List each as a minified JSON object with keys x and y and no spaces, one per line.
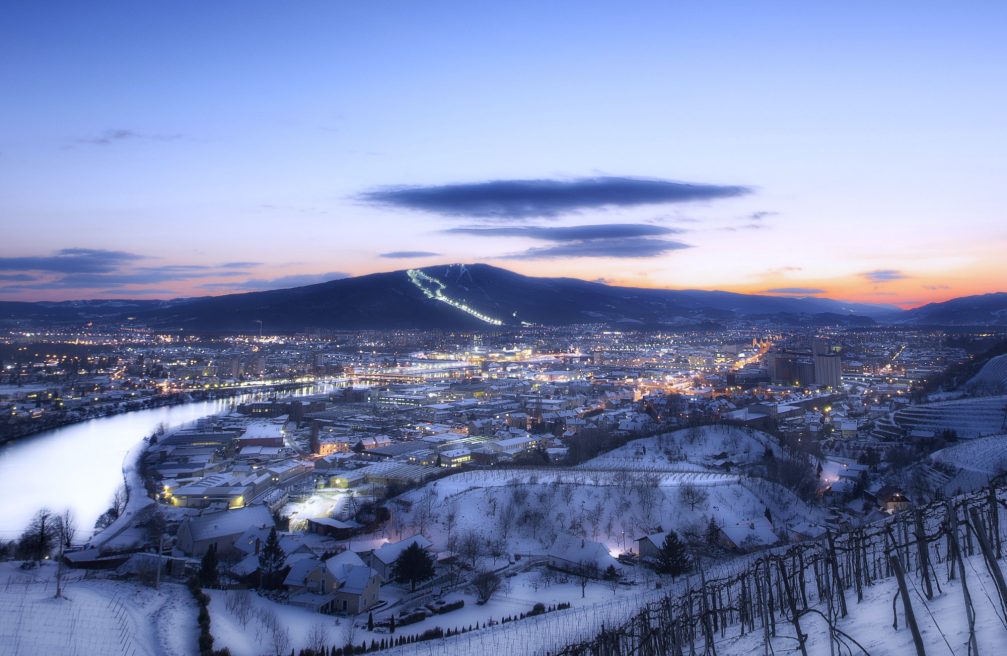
{"x":370,"y":621}
{"x":672,"y":558}
{"x":414,"y":565}
{"x":712,"y":532}
{"x":769,"y":515}
{"x":271,"y":560}
{"x":208,"y":567}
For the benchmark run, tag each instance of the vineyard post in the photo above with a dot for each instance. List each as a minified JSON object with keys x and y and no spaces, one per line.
{"x":907,"y":604}
{"x":835,"y":573}
{"x":921,"y":550}
{"x":991,"y":561}
{"x":956,"y":555}
{"x":794,"y":617}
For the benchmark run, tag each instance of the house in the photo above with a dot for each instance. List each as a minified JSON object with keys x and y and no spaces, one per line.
{"x":341,"y":584}
{"x":649,"y":546}
{"x":382,"y":559}
{"x":579,"y":555}
{"x":221,"y":529}
{"x":333,"y":528}
{"x":892,"y":499}
{"x":747,"y":535}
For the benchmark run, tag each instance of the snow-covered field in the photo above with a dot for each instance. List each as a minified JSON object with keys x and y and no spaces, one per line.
{"x":94,"y":617}
{"x":601,"y":604}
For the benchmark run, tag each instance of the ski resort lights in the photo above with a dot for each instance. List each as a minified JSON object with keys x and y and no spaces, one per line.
{"x":434,"y":288}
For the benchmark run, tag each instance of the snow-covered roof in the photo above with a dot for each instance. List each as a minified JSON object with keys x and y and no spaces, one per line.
{"x":389,"y":553}
{"x":229,"y":522}
{"x":580,"y":552}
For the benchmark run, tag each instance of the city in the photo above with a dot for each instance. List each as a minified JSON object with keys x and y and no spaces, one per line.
{"x":533,"y":329}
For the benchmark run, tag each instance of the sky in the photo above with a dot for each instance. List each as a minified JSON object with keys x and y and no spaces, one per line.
{"x":854,"y":150}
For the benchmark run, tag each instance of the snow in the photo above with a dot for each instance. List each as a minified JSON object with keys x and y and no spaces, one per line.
{"x":599,"y":605}
{"x":689,"y":449}
{"x":993,"y":375}
{"x":94,"y":617}
{"x":975,"y":462}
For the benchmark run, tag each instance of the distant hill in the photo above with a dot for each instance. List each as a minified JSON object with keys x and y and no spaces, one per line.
{"x":980,"y":310}
{"x":468,"y":296}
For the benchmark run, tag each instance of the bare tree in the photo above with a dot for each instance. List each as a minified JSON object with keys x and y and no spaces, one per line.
{"x":423,"y":510}
{"x":40,"y":536}
{"x":506,"y":520}
{"x":349,"y":634}
{"x":119,"y":500}
{"x":318,"y":637}
{"x":586,"y":571}
{"x":470,"y":547}
{"x":486,"y":583}
{"x":693,"y":496}
{"x":239,"y":602}
{"x":66,"y":530}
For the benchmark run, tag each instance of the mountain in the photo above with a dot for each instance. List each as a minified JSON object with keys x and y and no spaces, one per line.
{"x":463,"y":296}
{"x":980,"y":310}
{"x":466,"y":296}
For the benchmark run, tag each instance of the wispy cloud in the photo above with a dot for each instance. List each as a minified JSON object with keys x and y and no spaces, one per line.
{"x":883,"y":275}
{"x":797,"y":291}
{"x":120,"y":135}
{"x":525,"y":199}
{"x":936,"y":288}
{"x":283,"y":282}
{"x":405,"y":255}
{"x":71,"y":260}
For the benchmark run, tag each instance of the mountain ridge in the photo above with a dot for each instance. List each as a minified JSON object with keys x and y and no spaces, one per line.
{"x":466,"y":296}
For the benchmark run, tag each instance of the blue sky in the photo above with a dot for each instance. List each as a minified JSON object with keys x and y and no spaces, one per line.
{"x":867,"y":139}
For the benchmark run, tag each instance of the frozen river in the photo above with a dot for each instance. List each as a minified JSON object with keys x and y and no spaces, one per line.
{"x":79,"y":466}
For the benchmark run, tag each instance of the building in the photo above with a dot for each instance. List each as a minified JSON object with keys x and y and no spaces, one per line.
{"x":220,"y":529}
{"x":383,"y":558}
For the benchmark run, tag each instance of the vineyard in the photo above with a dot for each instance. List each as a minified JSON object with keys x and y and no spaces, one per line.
{"x":773,"y":599}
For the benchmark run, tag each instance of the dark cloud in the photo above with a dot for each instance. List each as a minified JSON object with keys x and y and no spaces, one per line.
{"x":283,"y":282}
{"x":523,"y":199}
{"x":883,"y":275}
{"x":571,"y":233}
{"x":71,"y":260}
{"x":759,"y":216}
{"x":16,"y":277}
{"x":403,"y":255}
{"x":794,"y":290}
{"x":119,"y":135}
{"x":619,"y":248}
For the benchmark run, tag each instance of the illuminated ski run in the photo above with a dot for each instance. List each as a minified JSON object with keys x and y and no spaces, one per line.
{"x":434,"y":288}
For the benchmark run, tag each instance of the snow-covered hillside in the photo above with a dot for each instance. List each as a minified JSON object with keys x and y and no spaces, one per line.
{"x":640,"y":488}
{"x":972,"y":463}
{"x":992,"y":378}
{"x":93,"y":617}
{"x":689,"y":449}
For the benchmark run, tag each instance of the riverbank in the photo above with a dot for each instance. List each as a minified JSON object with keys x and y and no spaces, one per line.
{"x":12,"y":432}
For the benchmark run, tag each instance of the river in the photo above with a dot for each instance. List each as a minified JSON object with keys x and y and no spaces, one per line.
{"x":79,"y":466}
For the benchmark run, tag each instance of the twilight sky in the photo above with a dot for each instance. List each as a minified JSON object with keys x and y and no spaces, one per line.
{"x":160,"y":149}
